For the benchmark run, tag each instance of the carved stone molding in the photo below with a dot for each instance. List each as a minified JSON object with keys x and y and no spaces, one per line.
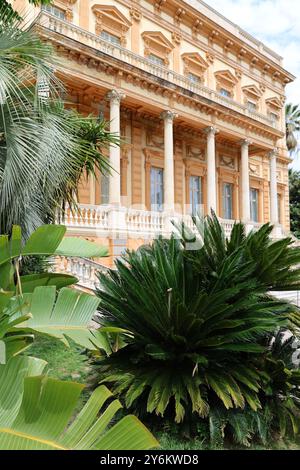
{"x":197,"y":25}
{"x":176,"y":37}
{"x":179,"y":14}
{"x":195,"y":152}
{"x":254,"y":169}
{"x":194,"y":63}
{"x":211,"y":130}
{"x":110,"y":19}
{"x":67,"y":7}
{"x":156,"y":43}
{"x":227,"y":80}
{"x":227,"y":161}
{"x":210,"y":58}
{"x":114,"y":96}
{"x":168,"y":115}
{"x":252,"y":92}
{"x":154,"y":138}
{"x":158,"y":4}
{"x":135,"y":14}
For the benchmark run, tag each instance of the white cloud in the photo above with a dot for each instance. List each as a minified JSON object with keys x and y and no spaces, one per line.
{"x":274,"y":22}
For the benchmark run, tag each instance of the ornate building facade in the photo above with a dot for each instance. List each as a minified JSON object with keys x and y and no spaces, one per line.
{"x":198,"y":102}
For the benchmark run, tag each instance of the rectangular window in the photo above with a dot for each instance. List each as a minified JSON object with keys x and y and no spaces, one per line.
{"x":156,"y":59}
{"x":104,"y":181}
{"x":227,"y":201}
{"x":58,"y":12}
{"x":157,"y":189}
{"x":196,"y":195}
{"x":254,"y":204}
{"x":110,"y":37}
{"x":225,"y":92}
{"x":193,"y":78}
{"x":251,"y":106}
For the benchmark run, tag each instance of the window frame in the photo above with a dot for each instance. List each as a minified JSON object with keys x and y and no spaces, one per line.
{"x":198,"y":192}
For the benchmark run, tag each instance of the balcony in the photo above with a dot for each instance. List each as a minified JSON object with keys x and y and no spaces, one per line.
{"x":51,"y":23}
{"x":109,"y":221}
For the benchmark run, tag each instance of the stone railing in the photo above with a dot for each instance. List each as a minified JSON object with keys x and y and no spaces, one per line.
{"x":144,"y":221}
{"x":76,"y":33}
{"x":101,"y":221}
{"x":87,"y":217}
{"x":84,"y":269}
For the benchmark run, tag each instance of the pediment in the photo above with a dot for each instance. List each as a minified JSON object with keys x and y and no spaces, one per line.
{"x":226,"y":76}
{"x":252,"y":90}
{"x":111,"y":14}
{"x":158,"y":39}
{"x":195,"y":59}
{"x":274,"y":102}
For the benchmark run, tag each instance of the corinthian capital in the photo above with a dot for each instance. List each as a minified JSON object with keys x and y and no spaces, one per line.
{"x":245,"y":143}
{"x":211,"y":130}
{"x":168,"y":115}
{"x":114,"y":96}
{"x":274,"y":153}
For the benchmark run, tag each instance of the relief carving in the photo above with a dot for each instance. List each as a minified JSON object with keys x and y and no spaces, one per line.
{"x":227,"y":161}
{"x":195,"y":152}
{"x":153,"y":139}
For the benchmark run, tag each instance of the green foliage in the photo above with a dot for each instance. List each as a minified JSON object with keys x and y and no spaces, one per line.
{"x":36,"y":411}
{"x":42,"y":302}
{"x":294,"y":189}
{"x":44,"y":148}
{"x":199,"y":324}
{"x":37,"y":414}
{"x":292,"y":119}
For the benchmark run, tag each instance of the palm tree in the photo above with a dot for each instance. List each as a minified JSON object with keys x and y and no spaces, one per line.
{"x":44,"y":148}
{"x":197,"y":322}
{"x":292,"y":119}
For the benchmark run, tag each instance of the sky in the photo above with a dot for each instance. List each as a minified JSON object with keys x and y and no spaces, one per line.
{"x":277,"y":24}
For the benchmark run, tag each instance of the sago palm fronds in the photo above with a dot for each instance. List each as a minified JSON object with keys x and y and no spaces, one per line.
{"x":197,"y":320}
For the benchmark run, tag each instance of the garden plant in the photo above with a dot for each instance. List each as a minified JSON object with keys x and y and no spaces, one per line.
{"x":199,"y":327}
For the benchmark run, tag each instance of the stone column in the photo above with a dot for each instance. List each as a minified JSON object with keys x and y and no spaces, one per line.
{"x":273,"y":187}
{"x":168,"y":117}
{"x":211,"y":169}
{"x":245,"y":180}
{"x":114,"y":97}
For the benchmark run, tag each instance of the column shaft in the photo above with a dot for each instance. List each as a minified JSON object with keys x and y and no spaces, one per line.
{"x":273,"y":188}
{"x":114,"y":98}
{"x":245,"y":181}
{"x":168,"y":118}
{"x":211,"y":170}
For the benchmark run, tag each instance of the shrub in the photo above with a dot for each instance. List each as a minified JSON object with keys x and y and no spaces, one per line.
{"x":198,"y":327}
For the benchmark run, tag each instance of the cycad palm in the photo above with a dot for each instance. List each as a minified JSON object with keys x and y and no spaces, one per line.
{"x":196,"y":320}
{"x":292,"y":113}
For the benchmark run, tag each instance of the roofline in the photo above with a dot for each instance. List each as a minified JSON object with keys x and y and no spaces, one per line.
{"x":263,"y":49}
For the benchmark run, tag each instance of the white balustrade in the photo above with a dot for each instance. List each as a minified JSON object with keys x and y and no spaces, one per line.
{"x":87,"y":216}
{"x":65,"y":28}
{"x":95,"y":220}
{"x":227,"y":226}
{"x":84,"y":269}
{"x":144,"y":222}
